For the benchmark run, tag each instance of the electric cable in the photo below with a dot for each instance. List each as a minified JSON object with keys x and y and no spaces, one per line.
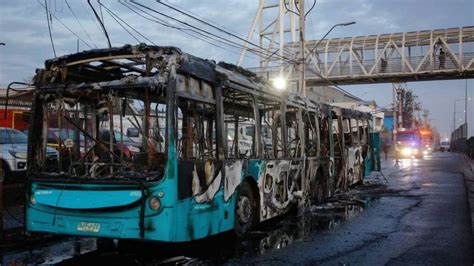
{"x":48,"y":17}
{"x":66,"y":27}
{"x":186,"y":31}
{"x":80,"y":24}
{"x":217,"y":27}
{"x":101,"y":23}
{"x":123,"y":27}
{"x":264,"y":52}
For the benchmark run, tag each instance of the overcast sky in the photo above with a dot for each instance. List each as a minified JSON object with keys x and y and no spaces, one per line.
{"x":24,"y":29}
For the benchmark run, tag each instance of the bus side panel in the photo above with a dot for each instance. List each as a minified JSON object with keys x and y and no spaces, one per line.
{"x":199,"y":220}
{"x":211,"y":210}
{"x":275,"y":188}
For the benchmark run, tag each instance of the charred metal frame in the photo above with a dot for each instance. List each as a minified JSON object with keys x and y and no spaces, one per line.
{"x":313,"y":165}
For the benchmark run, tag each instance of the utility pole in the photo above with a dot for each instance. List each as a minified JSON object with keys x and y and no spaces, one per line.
{"x":302,"y":94}
{"x":395,"y":120}
{"x":465,"y":110}
{"x":302,"y":83}
{"x":454,"y":116}
{"x":400,"y":94}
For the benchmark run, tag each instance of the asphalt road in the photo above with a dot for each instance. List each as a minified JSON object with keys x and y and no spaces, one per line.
{"x":422,"y":219}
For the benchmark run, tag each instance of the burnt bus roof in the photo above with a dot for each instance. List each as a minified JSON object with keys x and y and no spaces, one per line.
{"x":103,"y":66}
{"x":135,"y":57}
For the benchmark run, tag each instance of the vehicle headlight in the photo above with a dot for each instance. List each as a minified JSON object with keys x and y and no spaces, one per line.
{"x":133,"y":149}
{"x":19,"y":155}
{"x":407,"y":151}
{"x":154,"y":203}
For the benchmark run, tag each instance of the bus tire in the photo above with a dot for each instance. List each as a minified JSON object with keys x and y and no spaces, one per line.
{"x":245,"y":210}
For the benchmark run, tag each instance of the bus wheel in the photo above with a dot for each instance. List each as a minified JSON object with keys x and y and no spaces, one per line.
{"x":245,"y":210}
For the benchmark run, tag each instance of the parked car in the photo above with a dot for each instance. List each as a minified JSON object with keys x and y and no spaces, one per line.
{"x":13,"y":147}
{"x":129,"y":147}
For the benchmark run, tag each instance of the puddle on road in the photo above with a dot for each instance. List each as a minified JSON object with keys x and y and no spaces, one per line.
{"x":269,"y":236}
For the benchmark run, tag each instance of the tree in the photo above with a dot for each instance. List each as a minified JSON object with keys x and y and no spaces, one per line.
{"x":409,"y":107}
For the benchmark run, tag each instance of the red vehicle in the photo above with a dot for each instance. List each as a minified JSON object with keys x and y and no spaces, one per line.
{"x":408,"y":144}
{"x":426,"y":140}
{"x":14,"y":118}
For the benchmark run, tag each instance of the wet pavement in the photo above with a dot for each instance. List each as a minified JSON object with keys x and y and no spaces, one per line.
{"x":420,"y":216}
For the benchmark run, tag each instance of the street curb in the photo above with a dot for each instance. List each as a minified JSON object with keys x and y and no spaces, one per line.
{"x":468,"y":173}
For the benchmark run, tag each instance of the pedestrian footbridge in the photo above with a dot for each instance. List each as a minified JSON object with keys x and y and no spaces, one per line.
{"x":395,"y":57}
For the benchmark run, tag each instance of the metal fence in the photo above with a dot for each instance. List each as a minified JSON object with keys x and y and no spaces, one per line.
{"x":460,"y":141}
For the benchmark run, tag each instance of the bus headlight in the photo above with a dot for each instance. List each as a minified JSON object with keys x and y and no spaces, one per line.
{"x":154,"y":203}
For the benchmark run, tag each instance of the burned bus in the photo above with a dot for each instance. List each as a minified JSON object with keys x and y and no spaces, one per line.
{"x":188,"y":179}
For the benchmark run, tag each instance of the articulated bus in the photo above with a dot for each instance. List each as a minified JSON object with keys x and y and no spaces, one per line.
{"x":190,"y":178}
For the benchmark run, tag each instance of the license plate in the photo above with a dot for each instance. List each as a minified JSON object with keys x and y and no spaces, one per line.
{"x":88,"y":227}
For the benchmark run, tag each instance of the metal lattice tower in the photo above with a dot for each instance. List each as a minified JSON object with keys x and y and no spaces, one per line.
{"x":275,"y":25}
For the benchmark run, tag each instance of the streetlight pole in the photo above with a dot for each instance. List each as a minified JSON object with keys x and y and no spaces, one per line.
{"x":465,"y":109}
{"x":466,"y":99}
{"x":454,"y":116}
{"x":327,"y":33}
{"x":2,"y":178}
{"x":302,"y":83}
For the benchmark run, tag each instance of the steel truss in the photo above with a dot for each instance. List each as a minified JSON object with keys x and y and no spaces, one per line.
{"x":394,"y":57}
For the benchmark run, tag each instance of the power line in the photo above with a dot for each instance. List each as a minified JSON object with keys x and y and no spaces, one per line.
{"x":101,"y":23}
{"x":199,"y":36}
{"x":91,"y":16}
{"x":64,"y":25}
{"x":187,"y":31}
{"x":157,"y":20}
{"x":217,"y":28}
{"x":49,"y":26}
{"x":123,"y":27}
{"x":80,"y":24}
{"x":112,"y":14}
{"x":210,"y":21}
{"x":263,"y":52}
